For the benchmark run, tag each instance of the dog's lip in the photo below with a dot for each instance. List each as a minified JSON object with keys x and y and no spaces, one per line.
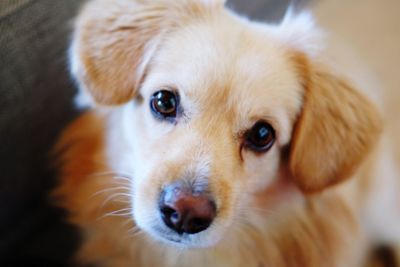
{"x":170,"y":237}
{"x":182,"y":241}
{"x":172,"y":240}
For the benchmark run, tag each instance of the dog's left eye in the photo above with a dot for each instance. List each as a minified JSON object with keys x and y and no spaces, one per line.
{"x":260,"y":137}
{"x":164,"y":104}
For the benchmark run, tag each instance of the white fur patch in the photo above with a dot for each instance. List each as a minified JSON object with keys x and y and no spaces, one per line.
{"x":82,"y":99}
{"x":214,"y":2}
{"x":300,"y":32}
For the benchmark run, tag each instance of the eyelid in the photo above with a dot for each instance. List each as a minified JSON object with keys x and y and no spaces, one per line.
{"x":271,"y":121}
{"x":166,"y":88}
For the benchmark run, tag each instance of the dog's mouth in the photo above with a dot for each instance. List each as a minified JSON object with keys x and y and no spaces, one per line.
{"x":180,"y":240}
{"x":172,"y":238}
{"x":175,"y":240}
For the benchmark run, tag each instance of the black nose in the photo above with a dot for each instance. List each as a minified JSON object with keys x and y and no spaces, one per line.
{"x":184,"y":212}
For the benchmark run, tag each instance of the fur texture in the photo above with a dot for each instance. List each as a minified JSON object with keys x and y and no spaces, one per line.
{"x":301,"y":203}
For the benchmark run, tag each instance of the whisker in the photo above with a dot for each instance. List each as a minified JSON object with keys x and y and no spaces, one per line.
{"x":124,"y":209}
{"x":135,"y":232}
{"x":116,"y":195}
{"x":124,"y":178}
{"x":107,"y":190}
{"x":109,"y":173}
{"x":125,"y":223}
{"x":121,"y":183}
{"x":113,"y":214}
{"x":117,"y":213}
{"x":134,"y":229}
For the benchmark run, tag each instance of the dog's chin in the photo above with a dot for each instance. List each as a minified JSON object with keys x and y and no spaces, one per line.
{"x":170,"y":238}
{"x":184,"y":241}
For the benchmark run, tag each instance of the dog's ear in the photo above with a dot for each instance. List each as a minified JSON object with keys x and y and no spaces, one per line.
{"x":336,"y":129}
{"x":115,"y":40}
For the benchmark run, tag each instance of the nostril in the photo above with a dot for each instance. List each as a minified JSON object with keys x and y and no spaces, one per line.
{"x":168,"y":211}
{"x":170,"y":216}
{"x":197,"y":225}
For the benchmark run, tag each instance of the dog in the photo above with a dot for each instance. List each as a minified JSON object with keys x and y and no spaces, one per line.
{"x":213,"y":140}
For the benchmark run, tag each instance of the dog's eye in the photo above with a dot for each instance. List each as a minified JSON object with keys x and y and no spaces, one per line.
{"x":260,"y":137}
{"x":164,"y":104}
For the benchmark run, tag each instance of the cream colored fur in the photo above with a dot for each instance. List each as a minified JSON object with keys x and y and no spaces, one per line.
{"x":305,"y":202}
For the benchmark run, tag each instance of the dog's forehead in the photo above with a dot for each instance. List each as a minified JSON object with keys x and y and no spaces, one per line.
{"x":232,"y":64}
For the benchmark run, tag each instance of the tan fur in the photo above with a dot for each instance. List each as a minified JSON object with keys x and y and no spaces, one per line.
{"x":83,"y":162}
{"x":122,"y":41}
{"x":230,"y":73}
{"x":332,"y":109}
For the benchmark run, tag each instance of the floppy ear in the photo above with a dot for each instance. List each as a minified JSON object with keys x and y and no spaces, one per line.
{"x":337,"y":128}
{"x":115,"y":40}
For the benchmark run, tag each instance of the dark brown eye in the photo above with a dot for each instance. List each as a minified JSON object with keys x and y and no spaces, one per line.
{"x":260,"y":137}
{"x":164,"y":104}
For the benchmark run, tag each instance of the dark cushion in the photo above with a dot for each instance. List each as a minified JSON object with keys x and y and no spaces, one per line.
{"x":35,"y":104}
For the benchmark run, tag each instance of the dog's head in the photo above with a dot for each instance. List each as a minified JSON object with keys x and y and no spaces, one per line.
{"x":207,"y":110}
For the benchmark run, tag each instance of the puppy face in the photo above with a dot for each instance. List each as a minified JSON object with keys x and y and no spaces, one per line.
{"x":206,"y":143}
{"x":208,"y":105}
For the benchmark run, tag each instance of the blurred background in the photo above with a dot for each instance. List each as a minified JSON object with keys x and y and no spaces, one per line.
{"x":36,"y":102}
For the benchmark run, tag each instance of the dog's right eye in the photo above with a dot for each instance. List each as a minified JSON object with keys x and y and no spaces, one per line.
{"x":260,"y":137}
{"x":164,"y":104}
